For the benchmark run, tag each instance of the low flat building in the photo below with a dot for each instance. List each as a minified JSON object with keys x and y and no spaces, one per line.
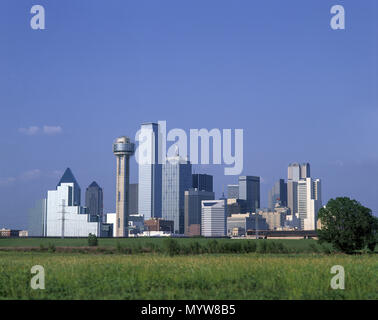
{"x":158,"y":224}
{"x":244,"y":222}
{"x":8,"y":233}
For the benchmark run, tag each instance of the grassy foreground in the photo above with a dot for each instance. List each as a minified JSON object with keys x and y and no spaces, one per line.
{"x":207,"y":276}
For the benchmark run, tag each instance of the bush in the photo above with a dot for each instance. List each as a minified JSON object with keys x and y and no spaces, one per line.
{"x":212,"y":246}
{"x":171,"y":246}
{"x":195,"y":248}
{"x":92,"y":240}
{"x":51,"y":248}
{"x":249,"y":246}
{"x":262,"y":247}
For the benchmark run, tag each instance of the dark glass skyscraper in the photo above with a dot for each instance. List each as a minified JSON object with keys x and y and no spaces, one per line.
{"x":94,"y":201}
{"x":278,"y":194}
{"x":202,"y":182}
{"x":249,"y":190}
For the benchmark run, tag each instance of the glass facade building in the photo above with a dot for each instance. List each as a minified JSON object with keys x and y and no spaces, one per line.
{"x":177,"y":178}
{"x":94,"y":201}
{"x":278,"y":194}
{"x":202,"y":182}
{"x":150,"y":171}
{"x":249,"y":190}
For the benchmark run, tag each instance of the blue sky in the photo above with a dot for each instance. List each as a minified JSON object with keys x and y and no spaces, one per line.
{"x":300,"y":90}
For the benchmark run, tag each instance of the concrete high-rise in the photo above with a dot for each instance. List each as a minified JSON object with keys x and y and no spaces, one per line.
{"x":193,"y":198}
{"x":177,"y":178}
{"x":203,"y":182}
{"x":278,"y":194}
{"x":309,"y":202}
{"x":123,"y":149}
{"x":249,"y":190}
{"x":295,"y":172}
{"x":94,"y":202}
{"x":150,"y":161}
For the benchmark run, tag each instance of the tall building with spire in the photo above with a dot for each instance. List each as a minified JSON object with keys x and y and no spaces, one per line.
{"x":150,"y":162}
{"x":123,"y":149}
{"x":64,"y":215}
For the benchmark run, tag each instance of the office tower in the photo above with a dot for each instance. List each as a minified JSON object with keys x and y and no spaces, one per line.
{"x":202,"y":182}
{"x":94,"y":201}
{"x":233,"y":191}
{"x":133,"y":208}
{"x":278,"y":194}
{"x":63,"y":217}
{"x":192,"y":209}
{"x":123,"y":149}
{"x":68,"y":177}
{"x":213,"y":218}
{"x":295,"y":173}
{"x":305,"y":170}
{"x":249,"y":190}
{"x":177,"y":178}
{"x":309,"y":202}
{"x":150,"y":171}
{"x":37,"y":219}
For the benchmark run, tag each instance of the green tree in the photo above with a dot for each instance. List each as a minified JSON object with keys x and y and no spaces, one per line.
{"x":348,"y":225}
{"x":92,"y":240}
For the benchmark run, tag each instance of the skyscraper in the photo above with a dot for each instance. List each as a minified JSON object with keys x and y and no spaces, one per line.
{"x":278,"y":194}
{"x":249,"y":190}
{"x":123,"y":149}
{"x":309,"y":202}
{"x":68,"y":177}
{"x":133,"y":208}
{"x":177,"y":178}
{"x":193,"y":198}
{"x":202,"y":182}
{"x":94,"y":201}
{"x":150,"y":171}
{"x":295,"y":172}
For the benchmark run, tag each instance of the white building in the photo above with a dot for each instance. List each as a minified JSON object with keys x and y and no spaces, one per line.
{"x":213,"y":218}
{"x":309,"y":202}
{"x":111,"y":219}
{"x":64,"y":217}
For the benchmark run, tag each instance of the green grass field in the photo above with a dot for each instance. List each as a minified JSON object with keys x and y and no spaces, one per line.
{"x":208,"y":276}
{"x":117,"y":269}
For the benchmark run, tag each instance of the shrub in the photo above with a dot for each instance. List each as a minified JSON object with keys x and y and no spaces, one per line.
{"x":262,"y":247}
{"x":52,"y":248}
{"x":92,"y":240}
{"x":249,"y":246}
{"x":171,"y":246}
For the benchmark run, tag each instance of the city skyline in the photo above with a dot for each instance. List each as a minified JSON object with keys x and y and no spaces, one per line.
{"x":300,"y":90}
